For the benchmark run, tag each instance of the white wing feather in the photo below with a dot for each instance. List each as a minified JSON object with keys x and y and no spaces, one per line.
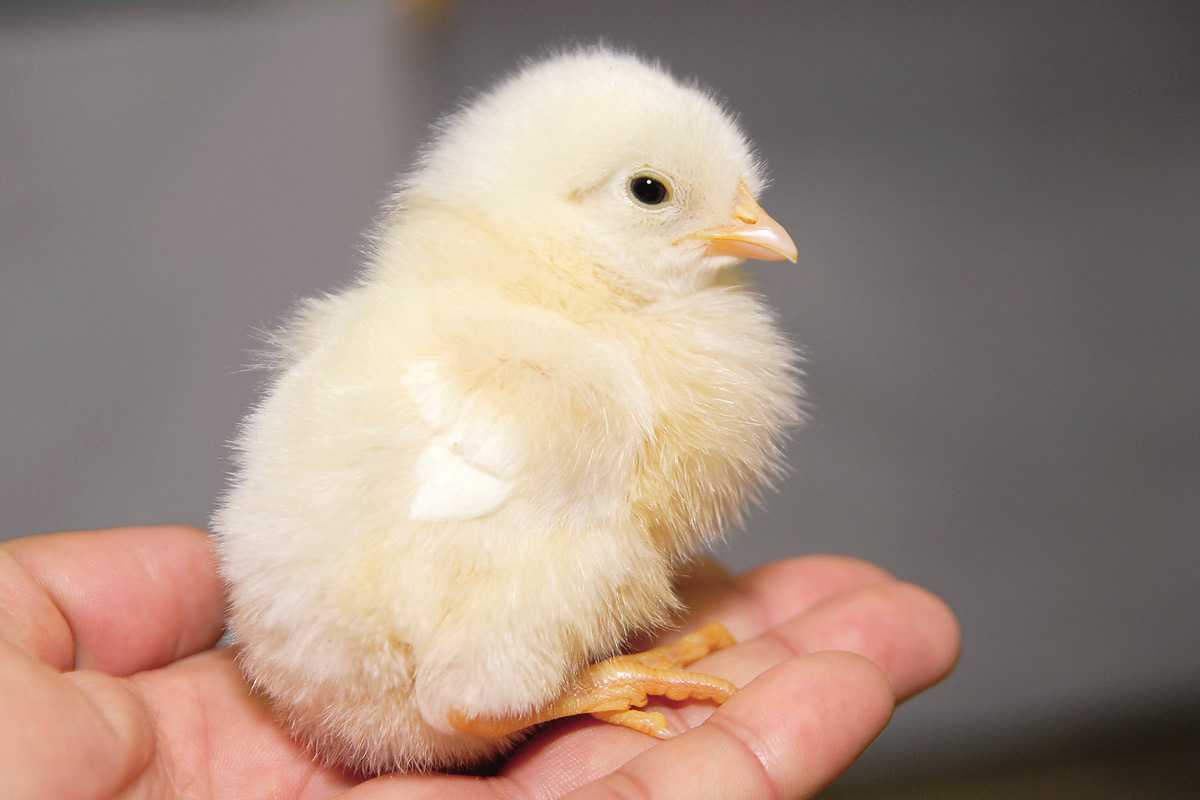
{"x":467,"y":468}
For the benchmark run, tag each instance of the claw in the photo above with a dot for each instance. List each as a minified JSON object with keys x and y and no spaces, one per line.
{"x":651,"y":723}
{"x":613,"y":690}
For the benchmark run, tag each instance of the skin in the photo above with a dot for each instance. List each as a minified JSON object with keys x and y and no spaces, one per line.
{"x":110,"y":685}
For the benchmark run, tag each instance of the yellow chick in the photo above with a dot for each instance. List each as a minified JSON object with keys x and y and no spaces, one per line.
{"x":477,"y":469}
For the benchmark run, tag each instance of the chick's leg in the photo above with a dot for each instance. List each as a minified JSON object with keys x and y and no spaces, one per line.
{"x":615,"y":689}
{"x":666,"y":663}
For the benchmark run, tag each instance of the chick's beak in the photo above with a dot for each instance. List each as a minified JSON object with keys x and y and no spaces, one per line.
{"x":752,"y":233}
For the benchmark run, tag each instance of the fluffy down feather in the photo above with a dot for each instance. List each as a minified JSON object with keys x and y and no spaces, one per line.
{"x":475,"y":470}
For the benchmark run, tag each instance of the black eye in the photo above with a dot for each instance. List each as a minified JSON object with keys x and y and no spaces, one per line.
{"x":648,"y":190}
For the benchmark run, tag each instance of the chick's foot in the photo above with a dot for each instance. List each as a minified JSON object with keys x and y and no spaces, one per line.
{"x":615,"y":689}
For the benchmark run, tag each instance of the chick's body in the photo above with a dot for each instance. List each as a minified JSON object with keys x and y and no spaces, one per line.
{"x":476,"y":469}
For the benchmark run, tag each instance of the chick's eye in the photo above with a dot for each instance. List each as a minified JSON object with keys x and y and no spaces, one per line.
{"x":648,"y":190}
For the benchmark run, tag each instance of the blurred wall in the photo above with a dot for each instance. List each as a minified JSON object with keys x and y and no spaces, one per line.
{"x":998,"y":210}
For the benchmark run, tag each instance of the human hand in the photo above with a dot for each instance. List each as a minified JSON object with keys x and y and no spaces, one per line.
{"x":110,"y":686}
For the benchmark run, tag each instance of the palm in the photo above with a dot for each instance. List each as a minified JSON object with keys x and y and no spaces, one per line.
{"x":191,"y":728}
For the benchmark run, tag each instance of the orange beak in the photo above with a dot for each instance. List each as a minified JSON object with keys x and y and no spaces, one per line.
{"x":752,"y":234}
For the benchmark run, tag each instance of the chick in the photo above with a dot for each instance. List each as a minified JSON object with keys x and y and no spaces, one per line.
{"x":476,"y":470}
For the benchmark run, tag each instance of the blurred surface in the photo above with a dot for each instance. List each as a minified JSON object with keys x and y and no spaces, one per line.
{"x":998,"y":211}
{"x":1132,"y":759}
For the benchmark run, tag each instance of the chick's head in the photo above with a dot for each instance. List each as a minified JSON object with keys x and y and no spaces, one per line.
{"x":610,"y":157}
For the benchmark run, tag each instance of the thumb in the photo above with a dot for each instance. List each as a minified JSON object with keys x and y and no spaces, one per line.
{"x":74,"y":736}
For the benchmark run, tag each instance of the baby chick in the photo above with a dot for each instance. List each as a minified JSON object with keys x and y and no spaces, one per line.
{"x":476,"y":470}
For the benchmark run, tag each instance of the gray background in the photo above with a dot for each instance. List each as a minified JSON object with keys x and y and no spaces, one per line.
{"x":998,"y":213}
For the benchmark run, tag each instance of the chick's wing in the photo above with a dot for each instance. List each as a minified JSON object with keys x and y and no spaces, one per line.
{"x":467,"y":468}
{"x":528,"y":415}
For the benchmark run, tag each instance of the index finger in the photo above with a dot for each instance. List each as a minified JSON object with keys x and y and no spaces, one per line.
{"x":788,"y":734}
{"x":118,"y":601}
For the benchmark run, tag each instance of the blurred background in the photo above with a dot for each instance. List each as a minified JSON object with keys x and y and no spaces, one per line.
{"x":998,"y":213}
